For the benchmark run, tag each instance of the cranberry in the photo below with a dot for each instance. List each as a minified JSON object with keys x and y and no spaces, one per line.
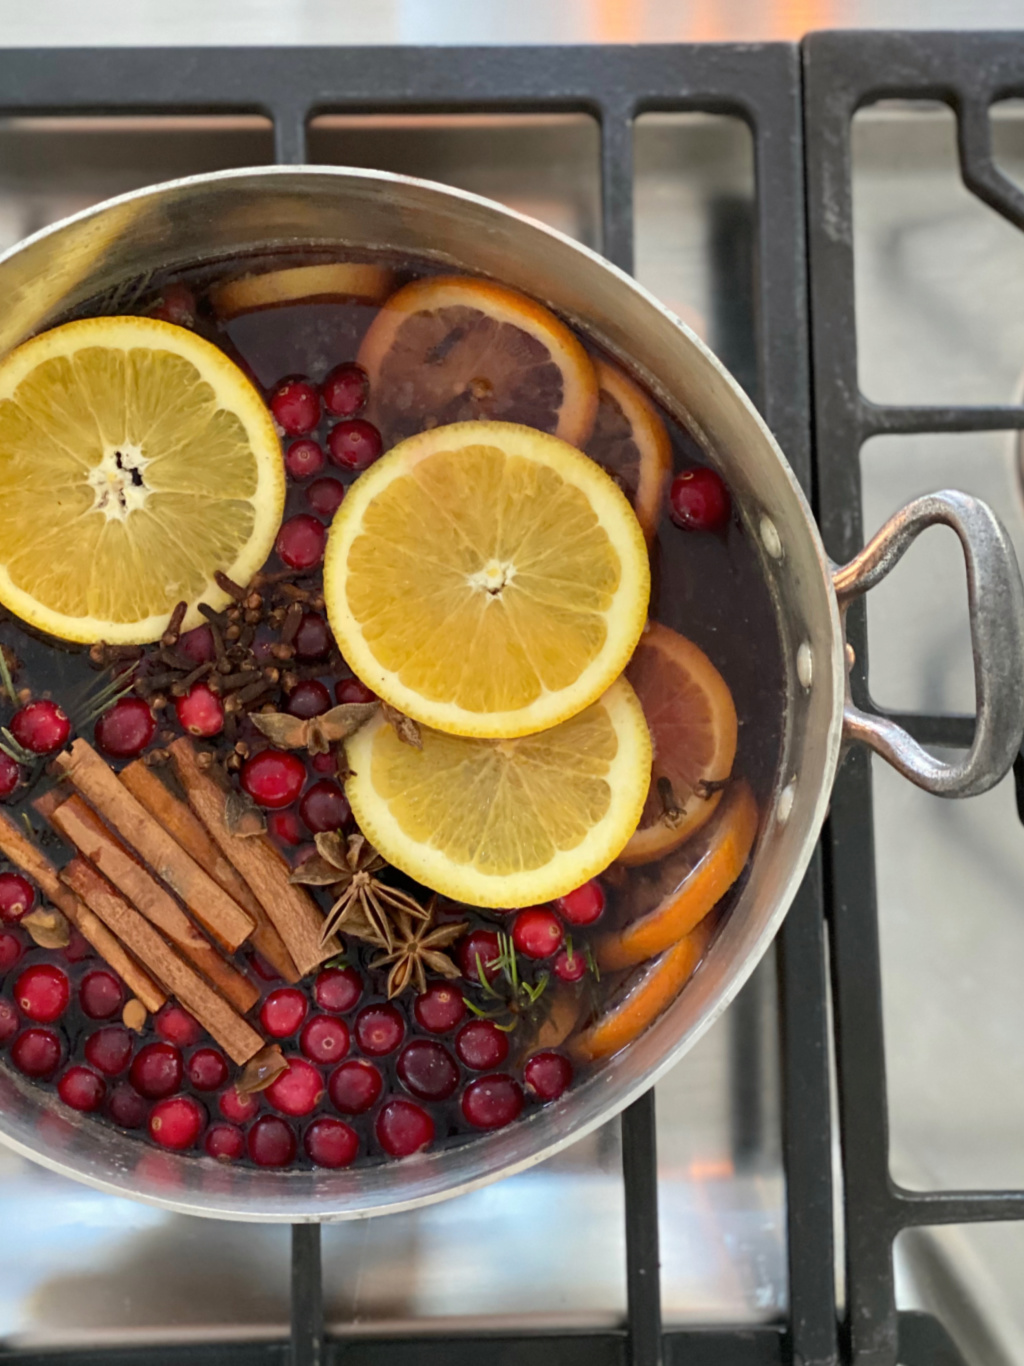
{"x":77,"y":947}
{"x":10,"y":951}
{"x":239,"y":1109}
{"x":126,"y":1107}
{"x":207,"y":1069}
{"x":492,"y":1102}
{"x":313,"y":638}
{"x":298,"y":1090}
{"x":354,"y":444}
{"x":481,"y":1044}
{"x":338,"y":989}
{"x":282,"y":1012}
{"x":9,"y":1021}
{"x":324,"y":763}
{"x":82,"y":1089}
{"x":10,"y":774}
{"x":355,"y":1087}
{"x":304,"y":459}
{"x":177,"y":304}
{"x":480,"y":947}
{"x":100,"y":994}
{"x":225,"y":1142}
{"x":584,"y":905}
{"x":198,"y":645}
{"x":284,"y":826}
{"x":698,"y":500}
{"x":344,"y":390}
{"x":404,"y":1128}
{"x":428,"y":1070}
{"x":439,"y":1009}
{"x":177,"y":1122}
{"x":126,"y":729}
{"x":200,"y":711}
{"x":273,"y":778}
{"x":324,"y":1039}
{"x":41,"y":727}
{"x":569,"y":965}
{"x":271,"y":1142}
{"x":156,"y":1070}
{"x":36,"y":1052}
{"x":352,"y":690}
{"x":547,"y":1075}
{"x":17,"y":896}
{"x":536,"y":932}
{"x":330,"y":1142}
{"x":109,"y":1049}
{"x":295,"y":404}
{"x":301,"y":541}
{"x":379,"y":1030}
{"x":324,"y":807}
{"x":325,"y":497}
{"x":175,"y":1025}
{"x":309,"y":699}
{"x":42,"y":992}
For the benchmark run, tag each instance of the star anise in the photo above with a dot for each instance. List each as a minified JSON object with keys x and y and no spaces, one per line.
{"x":418,"y":947}
{"x":365,"y":906}
{"x":316,"y":733}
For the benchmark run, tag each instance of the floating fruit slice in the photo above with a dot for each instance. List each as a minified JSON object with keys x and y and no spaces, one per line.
{"x":302,"y":284}
{"x":630,"y":441}
{"x":507,"y":822}
{"x":688,"y":887}
{"x":453,"y":349}
{"x":136,"y":460}
{"x":692,"y":720}
{"x":486,"y":579}
{"x":641,"y":998}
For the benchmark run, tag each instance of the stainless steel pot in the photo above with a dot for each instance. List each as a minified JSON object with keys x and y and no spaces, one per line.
{"x":237,"y":212}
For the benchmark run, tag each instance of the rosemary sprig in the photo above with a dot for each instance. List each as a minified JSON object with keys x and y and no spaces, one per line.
{"x":13,"y":750}
{"x":103,"y":702}
{"x":5,"y":677}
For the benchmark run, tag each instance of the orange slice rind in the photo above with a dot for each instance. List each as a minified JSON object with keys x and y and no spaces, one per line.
{"x":631,"y":442}
{"x":335,"y":280}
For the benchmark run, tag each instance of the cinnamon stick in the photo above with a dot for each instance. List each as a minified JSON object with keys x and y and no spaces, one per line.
{"x":208,"y":902}
{"x":235,"y":1035}
{"x":177,"y":817}
{"x":293,"y":911}
{"x":36,"y":865}
{"x":80,"y":825}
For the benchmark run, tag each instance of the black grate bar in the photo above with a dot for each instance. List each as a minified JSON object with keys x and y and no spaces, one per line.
{"x":889,"y":420}
{"x":307,"y":1293}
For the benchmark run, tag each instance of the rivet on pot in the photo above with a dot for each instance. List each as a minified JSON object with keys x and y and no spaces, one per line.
{"x":805,"y":665}
{"x":786,"y":799}
{"x":770,"y":538}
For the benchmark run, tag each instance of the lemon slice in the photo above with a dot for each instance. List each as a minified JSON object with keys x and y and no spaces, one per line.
{"x":336,"y":280}
{"x":505,"y":822}
{"x":486,"y":579}
{"x":136,"y":460}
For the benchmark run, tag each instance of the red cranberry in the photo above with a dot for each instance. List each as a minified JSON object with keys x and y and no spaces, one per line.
{"x":439,"y":1009}
{"x":354,"y":444}
{"x":273,"y":778}
{"x":9,"y":1021}
{"x":303,"y":459}
{"x":259,"y":965}
{"x":10,"y":774}
{"x":282,"y":1012}
{"x":492,"y":1102}
{"x":36,"y":1052}
{"x":480,"y":947}
{"x":324,"y":1039}
{"x":325,"y":497}
{"x":404,"y":1128}
{"x":698,"y":500}
{"x":344,"y":390}
{"x":330,"y":1142}
{"x":354,"y":1087}
{"x":175,"y":1025}
{"x":379,"y":1030}
{"x":584,"y":905}
{"x":126,"y":1107}
{"x":352,"y":690}
{"x":42,"y":992}
{"x":309,"y":699}
{"x":323,"y":763}
{"x":200,"y":711}
{"x":284,"y":826}
{"x":295,"y":404}
{"x":271,"y":1142}
{"x":126,"y":729}
{"x":82,"y":1089}
{"x":100,"y":994}
{"x":547,"y":1075}
{"x":41,"y":727}
{"x":17,"y":896}
{"x":198,"y":645}
{"x":77,"y":947}
{"x":176,"y":1123}
{"x":109,"y":1049}
{"x":569,"y":965}
{"x":239,"y":1109}
{"x":10,"y":951}
{"x":225,"y":1142}
{"x":338,"y":989}
{"x":297,"y":1091}
{"x":428,"y":1070}
{"x":156,"y":1070}
{"x":536,"y":932}
{"x":207,"y":1069}
{"x":301,"y":541}
{"x":313,"y":638}
{"x":324,"y":807}
{"x":481,"y":1044}
{"x":177,"y":304}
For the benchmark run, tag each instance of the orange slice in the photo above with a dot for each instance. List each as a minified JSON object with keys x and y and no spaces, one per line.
{"x":642,"y":998}
{"x":692,"y":720}
{"x":707,"y":872}
{"x":630,"y":441}
{"x":301,"y":284}
{"x":455,"y":349}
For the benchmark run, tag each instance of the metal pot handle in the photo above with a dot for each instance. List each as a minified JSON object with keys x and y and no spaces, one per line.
{"x":996,"y":605}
